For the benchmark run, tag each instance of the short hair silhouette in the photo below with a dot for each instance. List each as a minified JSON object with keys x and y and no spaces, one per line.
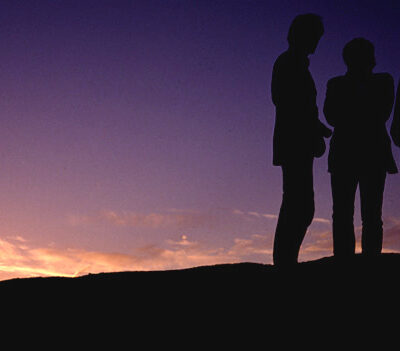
{"x":304,"y":26}
{"x":359,"y":52}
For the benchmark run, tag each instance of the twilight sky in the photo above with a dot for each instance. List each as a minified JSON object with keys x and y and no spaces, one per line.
{"x":136,"y":135}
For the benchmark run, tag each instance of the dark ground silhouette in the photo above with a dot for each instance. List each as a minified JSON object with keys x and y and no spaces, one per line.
{"x":240,"y":280}
{"x":316,"y":304}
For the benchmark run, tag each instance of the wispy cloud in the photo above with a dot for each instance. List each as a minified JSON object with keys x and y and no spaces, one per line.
{"x":256,"y":244}
{"x":155,"y":220}
{"x":173,"y":218}
{"x":254,"y":214}
{"x":238,"y":212}
{"x":316,"y":244}
{"x":269,"y":216}
{"x":21,"y":258}
{"x":391,"y":235}
{"x":260,"y":215}
{"x":321,"y":220}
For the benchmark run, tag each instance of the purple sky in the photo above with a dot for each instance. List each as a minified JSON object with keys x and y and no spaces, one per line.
{"x":137,"y":134}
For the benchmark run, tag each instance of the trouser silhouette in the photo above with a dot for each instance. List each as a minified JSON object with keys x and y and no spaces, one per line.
{"x":296,"y":212}
{"x":344,"y":186}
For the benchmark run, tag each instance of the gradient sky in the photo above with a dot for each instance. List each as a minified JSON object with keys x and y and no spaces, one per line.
{"x":136,"y":135}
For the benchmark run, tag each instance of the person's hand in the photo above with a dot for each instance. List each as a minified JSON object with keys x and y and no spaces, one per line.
{"x":395,"y":132}
{"x":324,"y":130}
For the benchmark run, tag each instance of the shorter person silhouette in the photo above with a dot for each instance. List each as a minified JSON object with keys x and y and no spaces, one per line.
{"x":358,"y":105}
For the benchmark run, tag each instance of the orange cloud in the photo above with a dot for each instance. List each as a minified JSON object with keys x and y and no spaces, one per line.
{"x":20,"y":258}
{"x":255,"y":214}
{"x":391,"y":236}
{"x":23,"y":261}
{"x":316,"y":244}
{"x":255,"y":245}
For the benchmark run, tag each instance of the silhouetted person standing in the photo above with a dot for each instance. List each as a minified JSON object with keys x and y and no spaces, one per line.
{"x":358,"y":105}
{"x":298,"y":135}
{"x":395,"y":128}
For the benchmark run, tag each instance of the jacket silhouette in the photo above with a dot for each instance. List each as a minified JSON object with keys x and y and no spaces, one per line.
{"x":298,"y":132}
{"x":357,"y":105}
{"x":298,"y":136}
{"x":395,"y":128}
{"x":358,"y":109}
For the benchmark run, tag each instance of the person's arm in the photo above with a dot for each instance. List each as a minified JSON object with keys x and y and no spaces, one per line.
{"x":331,"y":104}
{"x":386,"y":96}
{"x":395,"y":128}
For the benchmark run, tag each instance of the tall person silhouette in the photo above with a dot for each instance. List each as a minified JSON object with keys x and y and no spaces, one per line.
{"x":357,"y":105}
{"x":298,"y":135}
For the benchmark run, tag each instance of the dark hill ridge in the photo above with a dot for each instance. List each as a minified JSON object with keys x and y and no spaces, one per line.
{"x":357,"y":273}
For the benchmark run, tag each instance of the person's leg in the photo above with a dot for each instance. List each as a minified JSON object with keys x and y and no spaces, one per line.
{"x":371,"y":191}
{"x":296,"y":213}
{"x":344,"y":188}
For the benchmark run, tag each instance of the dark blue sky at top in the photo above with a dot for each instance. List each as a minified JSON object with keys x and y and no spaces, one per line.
{"x":148,"y":105}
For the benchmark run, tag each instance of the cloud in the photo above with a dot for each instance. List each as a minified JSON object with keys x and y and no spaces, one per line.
{"x":173,"y":218}
{"x":259,"y":215}
{"x":254,"y":214}
{"x":391,"y":221}
{"x":255,"y":245}
{"x":320,"y":244}
{"x":269,"y":216}
{"x":176,"y":219}
{"x":26,"y":261}
{"x":321,"y":220}
{"x":316,"y":244}
{"x":183,"y":242}
{"x":17,"y":238}
{"x":21,"y":258}
{"x":238,"y":212}
{"x":391,"y":236}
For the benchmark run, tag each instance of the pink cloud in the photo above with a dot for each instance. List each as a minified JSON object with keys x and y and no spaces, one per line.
{"x":27,"y":261}
{"x":171,"y":219}
{"x":21,"y":258}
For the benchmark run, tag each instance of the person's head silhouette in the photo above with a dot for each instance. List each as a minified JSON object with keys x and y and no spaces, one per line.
{"x":305,"y":32}
{"x":359,"y":56}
